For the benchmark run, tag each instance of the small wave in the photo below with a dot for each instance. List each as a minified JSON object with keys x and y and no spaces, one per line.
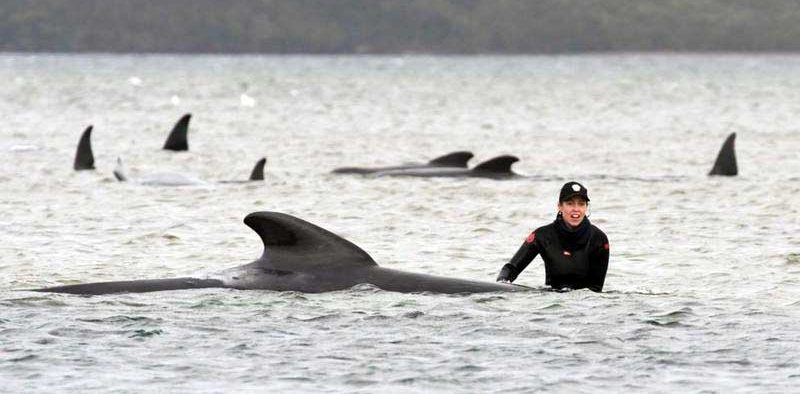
{"x":27,"y":357}
{"x":360,"y":382}
{"x":335,"y":357}
{"x":377,"y":317}
{"x":677,"y":314}
{"x":296,"y":378}
{"x":120,"y":319}
{"x":47,"y":301}
{"x":671,"y":319}
{"x":668,"y":324}
{"x":646,"y":292}
{"x":305,"y":318}
{"x":470,"y":368}
{"x":413,"y":315}
{"x":740,"y":362}
{"x":405,"y":303}
{"x":73,"y":332}
{"x":488,"y":299}
{"x":207,"y":304}
{"x":141,"y":333}
{"x":552,"y":306}
{"x":365,"y":288}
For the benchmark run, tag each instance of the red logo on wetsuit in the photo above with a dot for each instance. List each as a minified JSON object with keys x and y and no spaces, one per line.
{"x":606,"y":247}
{"x":567,"y":253}
{"x":531,"y":238}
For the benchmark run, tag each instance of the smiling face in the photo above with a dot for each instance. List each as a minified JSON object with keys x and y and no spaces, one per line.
{"x":573,"y":210}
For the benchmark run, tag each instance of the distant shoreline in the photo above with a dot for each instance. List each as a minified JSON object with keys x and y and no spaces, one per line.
{"x":399,"y":27}
{"x":410,"y":55}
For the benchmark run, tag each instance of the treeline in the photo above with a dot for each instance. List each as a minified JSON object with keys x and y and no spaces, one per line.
{"x":398,"y":26}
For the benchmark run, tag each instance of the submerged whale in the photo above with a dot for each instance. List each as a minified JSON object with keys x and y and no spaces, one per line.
{"x":180,"y":179}
{"x":726,"y":159}
{"x":177,"y":139}
{"x":298,"y":256}
{"x":84,"y":157}
{"x":496,"y":168}
{"x":456,"y":159}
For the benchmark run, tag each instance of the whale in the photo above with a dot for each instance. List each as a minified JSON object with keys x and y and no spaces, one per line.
{"x":177,"y":139}
{"x":256,"y":174}
{"x":456,"y":159}
{"x":182,"y":179}
{"x":298,"y":256}
{"x":725,"y":164}
{"x":84,"y":157}
{"x":495,"y":168}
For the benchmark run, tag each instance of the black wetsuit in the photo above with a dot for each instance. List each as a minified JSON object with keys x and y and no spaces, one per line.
{"x":573,"y":258}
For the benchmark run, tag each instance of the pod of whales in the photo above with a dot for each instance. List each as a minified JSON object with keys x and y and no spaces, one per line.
{"x":84,"y":157}
{"x":456,"y":159}
{"x":496,"y":168}
{"x":180,"y":179}
{"x":177,"y":139}
{"x":726,"y":159}
{"x":298,"y":256}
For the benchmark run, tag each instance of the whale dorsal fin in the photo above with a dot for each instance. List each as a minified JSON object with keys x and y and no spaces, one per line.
{"x":258,"y":170}
{"x":498,"y":165}
{"x":84,"y":158}
{"x":452,"y":159}
{"x":177,"y":137}
{"x":119,"y":171}
{"x":292,"y":244}
{"x":726,"y":159}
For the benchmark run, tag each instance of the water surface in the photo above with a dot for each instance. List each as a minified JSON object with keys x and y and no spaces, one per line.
{"x":702,"y":292}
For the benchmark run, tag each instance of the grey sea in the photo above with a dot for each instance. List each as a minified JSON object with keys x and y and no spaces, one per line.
{"x":703,"y":288}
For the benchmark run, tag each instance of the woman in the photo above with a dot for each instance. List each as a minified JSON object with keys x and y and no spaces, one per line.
{"x":575,"y":252}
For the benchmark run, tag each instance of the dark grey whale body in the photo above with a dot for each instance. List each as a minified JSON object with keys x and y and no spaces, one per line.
{"x":84,"y":157}
{"x":456,"y":159}
{"x":181,"y":179}
{"x":496,"y":168}
{"x":298,"y":256}
{"x":726,"y":159}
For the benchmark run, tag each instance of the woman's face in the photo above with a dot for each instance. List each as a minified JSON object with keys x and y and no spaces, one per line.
{"x":573,"y":210}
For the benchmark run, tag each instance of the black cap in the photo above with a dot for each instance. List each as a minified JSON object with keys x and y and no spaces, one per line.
{"x":572,"y":189}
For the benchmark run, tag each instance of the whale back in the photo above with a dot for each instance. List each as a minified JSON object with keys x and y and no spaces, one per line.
{"x":177,"y":140}
{"x":292,"y":244}
{"x":726,"y":159}
{"x":84,"y":157}
{"x":452,"y":159}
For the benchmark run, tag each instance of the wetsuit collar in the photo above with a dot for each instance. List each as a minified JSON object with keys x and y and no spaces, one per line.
{"x":573,"y":236}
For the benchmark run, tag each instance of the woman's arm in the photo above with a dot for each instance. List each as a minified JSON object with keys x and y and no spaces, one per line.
{"x":520,"y":260}
{"x":598,"y":264}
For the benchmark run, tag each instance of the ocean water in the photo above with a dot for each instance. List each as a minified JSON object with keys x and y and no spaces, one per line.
{"x":703,"y":288}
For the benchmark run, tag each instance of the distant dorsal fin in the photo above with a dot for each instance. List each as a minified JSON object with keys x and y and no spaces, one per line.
{"x":258,"y":170}
{"x":292,"y":244}
{"x":119,"y":171}
{"x":499,"y":164}
{"x":726,"y":159}
{"x":84,"y":158}
{"x":177,"y":139}
{"x":452,"y":159}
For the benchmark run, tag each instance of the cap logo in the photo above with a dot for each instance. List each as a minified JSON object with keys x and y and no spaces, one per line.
{"x":576,"y":188}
